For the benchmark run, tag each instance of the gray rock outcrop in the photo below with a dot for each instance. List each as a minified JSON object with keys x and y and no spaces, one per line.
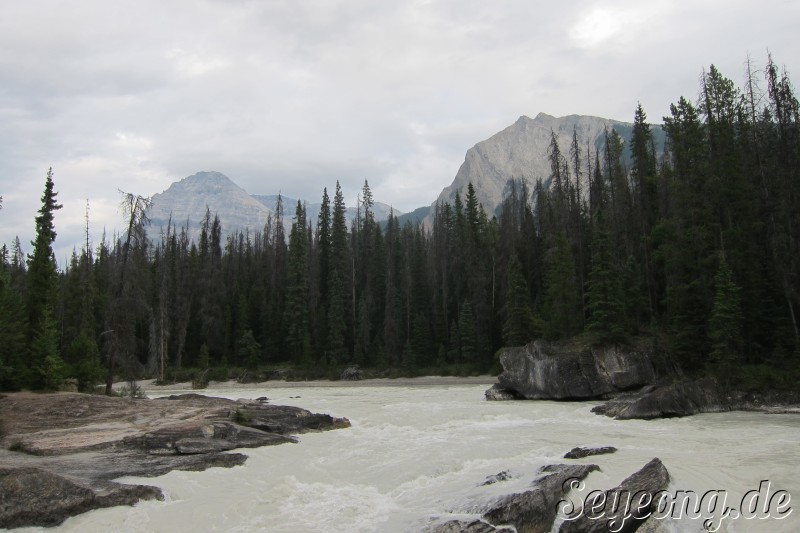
{"x":550,"y":371}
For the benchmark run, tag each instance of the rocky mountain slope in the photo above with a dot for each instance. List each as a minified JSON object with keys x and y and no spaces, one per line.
{"x":521,"y":151}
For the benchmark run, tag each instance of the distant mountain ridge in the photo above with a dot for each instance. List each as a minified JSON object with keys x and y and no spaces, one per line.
{"x":519,"y":151}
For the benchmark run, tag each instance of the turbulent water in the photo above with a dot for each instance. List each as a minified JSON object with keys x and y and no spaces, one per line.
{"x":416,"y":453}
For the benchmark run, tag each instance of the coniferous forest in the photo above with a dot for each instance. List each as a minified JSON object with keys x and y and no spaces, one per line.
{"x":694,"y":250}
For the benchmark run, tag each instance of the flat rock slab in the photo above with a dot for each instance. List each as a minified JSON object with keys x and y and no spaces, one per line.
{"x":59,"y":453}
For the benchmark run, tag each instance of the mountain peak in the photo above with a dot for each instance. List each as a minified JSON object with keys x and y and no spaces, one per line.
{"x":208,"y":175}
{"x":187,"y":200}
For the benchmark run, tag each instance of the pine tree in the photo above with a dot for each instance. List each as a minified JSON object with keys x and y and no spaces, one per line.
{"x":725,"y":322}
{"x":466,"y":333}
{"x":41,"y":263}
{"x":643,"y":174}
{"x":604,"y":293}
{"x":41,"y":294}
{"x":519,"y":326}
{"x":297,"y":289}
{"x":85,"y":359}
{"x":562,"y":307}
{"x":337,"y":280}
{"x":249,"y":350}
{"x":13,"y":327}
{"x":49,"y":370}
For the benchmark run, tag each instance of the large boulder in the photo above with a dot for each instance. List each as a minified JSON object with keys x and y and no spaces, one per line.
{"x":549,"y":371}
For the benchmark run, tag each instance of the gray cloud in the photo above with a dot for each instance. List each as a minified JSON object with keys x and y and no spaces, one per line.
{"x":292,"y":96}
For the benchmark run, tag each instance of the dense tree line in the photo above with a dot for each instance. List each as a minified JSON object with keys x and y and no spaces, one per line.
{"x":696,"y":248}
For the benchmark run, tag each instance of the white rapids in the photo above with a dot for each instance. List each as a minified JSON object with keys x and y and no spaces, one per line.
{"x":415,"y":453}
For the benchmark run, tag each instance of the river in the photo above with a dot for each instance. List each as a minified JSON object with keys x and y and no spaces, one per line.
{"x":417,"y":452}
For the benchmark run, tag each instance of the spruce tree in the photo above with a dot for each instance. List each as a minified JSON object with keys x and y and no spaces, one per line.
{"x":297,"y":290}
{"x":603,"y":292}
{"x":562,"y":306}
{"x":725,"y":322}
{"x":45,"y":363}
{"x":466,"y":333}
{"x":48,"y":370}
{"x":13,"y":326}
{"x":519,"y":326}
{"x":41,"y":263}
{"x":337,"y":280}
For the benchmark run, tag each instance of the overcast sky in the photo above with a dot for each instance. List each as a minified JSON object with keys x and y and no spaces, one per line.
{"x":293,"y":95}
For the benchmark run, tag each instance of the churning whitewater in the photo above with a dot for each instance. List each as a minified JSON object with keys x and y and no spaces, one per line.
{"x":415,"y":454}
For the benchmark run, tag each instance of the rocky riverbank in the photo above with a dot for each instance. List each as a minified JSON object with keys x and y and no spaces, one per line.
{"x":59,"y":453}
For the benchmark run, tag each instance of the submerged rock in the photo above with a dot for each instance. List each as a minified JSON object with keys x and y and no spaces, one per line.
{"x":505,"y":475}
{"x":551,"y":371}
{"x":579,"y":453}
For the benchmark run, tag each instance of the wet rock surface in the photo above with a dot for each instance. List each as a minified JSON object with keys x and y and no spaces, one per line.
{"x":60,"y":452}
